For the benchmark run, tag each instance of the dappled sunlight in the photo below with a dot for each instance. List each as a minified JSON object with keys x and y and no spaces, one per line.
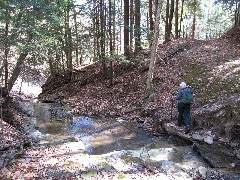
{"x":84,"y":97}
{"x":230,"y":68}
{"x":112,"y":147}
{"x":118,"y":148}
{"x":62,"y":161}
{"x":26,"y":88}
{"x":108,"y":139}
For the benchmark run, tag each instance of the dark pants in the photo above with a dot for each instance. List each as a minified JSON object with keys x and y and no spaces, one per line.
{"x":184,"y":112}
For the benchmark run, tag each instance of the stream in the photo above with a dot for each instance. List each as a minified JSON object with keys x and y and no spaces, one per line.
{"x":115,"y":142}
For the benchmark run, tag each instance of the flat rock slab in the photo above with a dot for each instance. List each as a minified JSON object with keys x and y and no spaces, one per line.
{"x":214,"y":158}
{"x":217,"y":156}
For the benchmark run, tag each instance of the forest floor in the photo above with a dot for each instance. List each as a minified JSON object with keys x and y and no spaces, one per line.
{"x":211,"y":67}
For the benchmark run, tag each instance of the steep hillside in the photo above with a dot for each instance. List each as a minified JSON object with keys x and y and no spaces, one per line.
{"x":211,"y":67}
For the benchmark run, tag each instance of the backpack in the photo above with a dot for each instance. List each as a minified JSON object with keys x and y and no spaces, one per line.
{"x":187,"y":96}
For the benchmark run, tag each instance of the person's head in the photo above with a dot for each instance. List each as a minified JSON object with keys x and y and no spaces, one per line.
{"x":183,"y":85}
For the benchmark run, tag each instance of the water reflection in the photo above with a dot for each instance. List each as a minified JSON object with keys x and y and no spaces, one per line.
{"x":108,"y":136}
{"x":81,"y":129}
{"x":81,"y":123}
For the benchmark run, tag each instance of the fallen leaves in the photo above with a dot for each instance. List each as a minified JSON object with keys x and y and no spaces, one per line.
{"x":10,"y":136}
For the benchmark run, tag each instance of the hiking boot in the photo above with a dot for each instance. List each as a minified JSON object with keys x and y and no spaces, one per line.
{"x":179,"y":124}
{"x":187,"y":131}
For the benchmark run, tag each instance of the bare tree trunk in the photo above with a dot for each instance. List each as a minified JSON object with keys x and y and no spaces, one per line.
{"x":17,"y":70}
{"x":63,"y":61}
{"x":76,"y":32}
{"x":131,"y":25}
{"x":126,"y":29}
{"x":114,"y":25}
{"x":137,"y":26}
{"x":111,"y":42}
{"x":66,"y":19}
{"x":95,"y":31}
{"x":176,"y":19}
{"x":98,"y":33}
{"x":183,"y":34}
{"x":20,"y":89}
{"x":155,"y":10}
{"x":170,"y":19}
{"x":181,"y":19}
{"x":151,"y":23}
{"x":70,"y":49}
{"x":6,"y":50}
{"x":154,"y":50}
{"x":194,"y":22}
{"x":102,"y":37}
{"x":50,"y":63}
{"x":237,"y":14}
{"x":68,"y":36}
{"x":9,"y":37}
{"x":18,"y":67}
{"x":167,"y":22}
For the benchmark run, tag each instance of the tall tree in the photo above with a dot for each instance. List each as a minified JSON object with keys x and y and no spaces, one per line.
{"x":76,"y":34}
{"x":137,"y":26}
{"x":68,"y":35}
{"x":114,"y":26}
{"x":51,"y":63}
{"x":131,"y":25}
{"x":6,"y":47}
{"x":126,"y":28}
{"x":120,"y":19}
{"x":194,"y":19}
{"x":176,"y":19}
{"x":167,"y":35}
{"x":236,"y":4}
{"x":152,"y":10}
{"x":181,"y":18}
{"x":151,"y":22}
{"x":20,"y":61}
{"x":111,"y":42}
{"x":102,"y":35}
{"x":96,"y":28}
{"x":150,"y":88}
{"x":30,"y":21}
{"x":237,"y":14}
{"x":171,"y":18}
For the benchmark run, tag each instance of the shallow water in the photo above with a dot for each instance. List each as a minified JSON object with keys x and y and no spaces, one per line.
{"x":100,"y":136}
{"x":117,"y":141}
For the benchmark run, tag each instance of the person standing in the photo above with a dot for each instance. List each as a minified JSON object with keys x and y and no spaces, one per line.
{"x":184,"y":98}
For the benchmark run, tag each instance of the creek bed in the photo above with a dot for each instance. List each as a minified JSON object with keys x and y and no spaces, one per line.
{"x":115,"y":142}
